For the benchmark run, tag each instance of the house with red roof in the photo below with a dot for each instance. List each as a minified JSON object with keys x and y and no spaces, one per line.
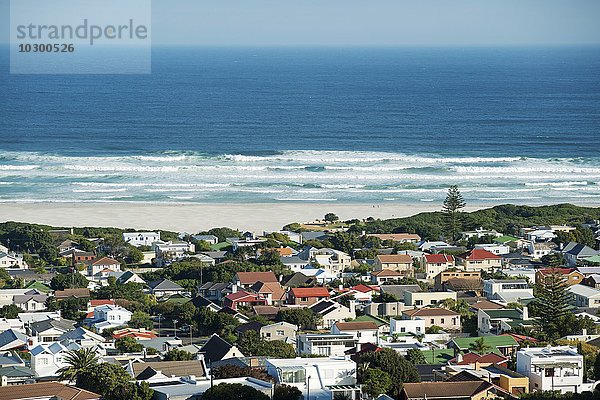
{"x":243,"y":298}
{"x":434,"y":264}
{"x":100,"y":302}
{"x":479,"y":259}
{"x":364,"y":293}
{"x":102,"y":264}
{"x":570,"y":275}
{"x":307,"y":296}
{"x":246,"y":279}
{"x":476,"y":361}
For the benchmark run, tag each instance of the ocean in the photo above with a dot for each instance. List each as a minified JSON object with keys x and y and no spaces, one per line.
{"x":216,"y":125}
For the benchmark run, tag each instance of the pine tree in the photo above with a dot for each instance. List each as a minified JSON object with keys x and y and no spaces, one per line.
{"x":453,"y":203}
{"x":552,"y":304}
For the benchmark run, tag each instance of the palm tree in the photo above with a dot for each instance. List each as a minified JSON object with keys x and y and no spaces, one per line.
{"x":77,"y":361}
{"x":479,"y":346}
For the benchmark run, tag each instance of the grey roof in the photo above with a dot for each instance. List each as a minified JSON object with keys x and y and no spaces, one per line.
{"x":579,"y":250}
{"x":164,"y":284}
{"x":24,"y":298}
{"x":215,"y":254}
{"x":205,"y":237}
{"x":215,"y":348}
{"x":312,"y":235}
{"x":42,"y":326}
{"x":10,"y":359}
{"x":293,"y":260}
{"x":299,"y":279}
{"x":398,"y":290}
{"x":17,"y":371}
{"x":10,"y":336}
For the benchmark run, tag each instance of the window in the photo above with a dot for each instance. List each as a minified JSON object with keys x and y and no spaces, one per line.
{"x":298,"y":376}
{"x":442,"y":320}
{"x":303,"y":298}
{"x":402,"y":330}
{"x":418,"y":302}
{"x":432,"y":321}
{"x":418,"y":329}
{"x":43,"y":361}
{"x":280,"y":333}
{"x":268,"y":334}
{"x":548,"y":372}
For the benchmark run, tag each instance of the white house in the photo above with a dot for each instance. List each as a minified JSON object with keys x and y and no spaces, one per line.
{"x":323,"y":377}
{"x":109,"y":316}
{"x":436,"y":263}
{"x":494,"y":248}
{"x":538,"y":250}
{"x":479,"y":233}
{"x":540,"y":235}
{"x":104,"y":264}
{"x":362,"y":331}
{"x":585,"y":296}
{"x":332,"y":312}
{"x":425,"y":299}
{"x":507,"y":290}
{"x":138,"y":239}
{"x":325,"y":344}
{"x":12,"y":261}
{"x":407,"y":326}
{"x":47,"y":359}
{"x":31,"y":301}
{"x":166,"y":251}
{"x":7,"y":295}
{"x":557,"y":368}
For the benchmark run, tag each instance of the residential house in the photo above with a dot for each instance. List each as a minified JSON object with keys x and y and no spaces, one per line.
{"x":77,"y":293}
{"x":494,"y":248}
{"x":48,"y":358}
{"x":46,"y":391}
{"x":294,"y":263}
{"x":12,"y":260}
{"x":103,"y":264}
{"x":558,"y":368}
{"x":334,"y":262}
{"x":426,"y":299}
{"x":472,"y":276}
{"x":569,"y":275}
{"x":165,"y":288}
{"x":138,"y":239}
{"x":307,"y":296}
{"x":48,"y":330}
{"x":155,"y":372}
{"x":574,"y":252}
{"x":507,"y":290}
{"x":298,"y":279}
{"x":385,"y":275}
{"x":592,"y":281}
{"x":12,"y":339}
{"x":283,"y":331}
{"x":491,"y":368}
{"x":437,"y":263}
{"x":79,"y":256}
{"x":407,"y":326}
{"x":445,"y":319}
{"x":465,"y":390}
{"x":108,"y":316}
{"x":244,"y":299}
{"x":127,"y":277}
{"x":31,"y":301}
{"x":538,"y":250}
{"x":503,"y":344}
{"x":402,"y":263}
{"x":541,"y":234}
{"x":480,"y":233}
{"x":325,"y":344}
{"x":397,"y":237}
{"x":245,"y":280}
{"x":293,"y":236}
{"x":323,"y":377}
{"x":332,"y":312}
{"x":585,"y":296}
{"x":13,"y":370}
{"x":217,"y":349}
{"x":271,"y":291}
{"x":7,"y":295}
{"x":168,"y":251}
{"x":363,"y":332}
{"x":210,"y":239}
{"x":215,"y":291}
{"x":498,"y":321}
{"x":363,"y":294}
{"x":478,"y":260}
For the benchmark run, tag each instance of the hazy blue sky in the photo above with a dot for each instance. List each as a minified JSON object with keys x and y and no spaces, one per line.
{"x":369,"y":22}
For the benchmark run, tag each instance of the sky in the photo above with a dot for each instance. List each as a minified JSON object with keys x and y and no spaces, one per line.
{"x":366,"y":22}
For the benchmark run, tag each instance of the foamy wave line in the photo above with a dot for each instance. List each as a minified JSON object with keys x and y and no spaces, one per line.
{"x":18,"y":167}
{"x":302,"y":199}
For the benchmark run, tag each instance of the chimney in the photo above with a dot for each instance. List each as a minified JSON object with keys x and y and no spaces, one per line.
{"x":584,"y":332}
{"x":459,"y":358}
{"x":525,"y":314}
{"x":352,"y":306}
{"x":340,"y":287}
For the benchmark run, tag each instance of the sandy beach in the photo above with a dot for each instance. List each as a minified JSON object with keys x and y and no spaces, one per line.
{"x":196,"y":217}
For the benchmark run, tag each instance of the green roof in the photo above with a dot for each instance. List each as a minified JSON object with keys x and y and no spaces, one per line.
{"x":593,"y":259}
{"x":493,"y":341}
{"x":438,"y":356}
{"x":370,"y":318}
{"x":219,"y":246}
{"x":506,"y":239}
{"x":509,"y":313}
{"x":38,"y":286}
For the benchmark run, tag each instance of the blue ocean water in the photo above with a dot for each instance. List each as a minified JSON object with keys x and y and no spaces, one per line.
{"x":518,"y":125}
